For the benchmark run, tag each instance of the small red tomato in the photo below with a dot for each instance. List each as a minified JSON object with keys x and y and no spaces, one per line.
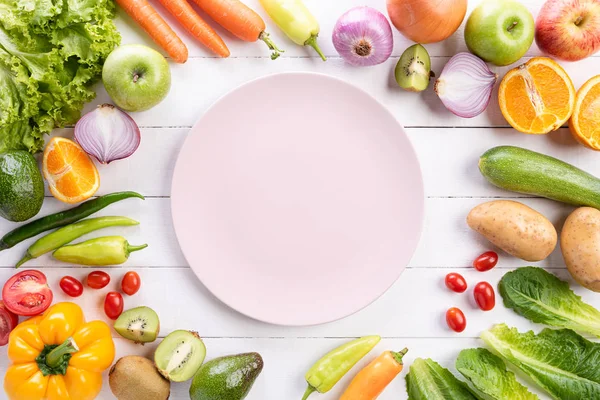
{"x":113,"y":305}
{"x":71,"y":286}
{"x":131,"y":283}
{"x":456,"y":319}
{"x":98,"y":279}
{"x":27,"y":293}
{"x":456,"y":282}
{"x":484,"y":296}
{"x":486,"y":261}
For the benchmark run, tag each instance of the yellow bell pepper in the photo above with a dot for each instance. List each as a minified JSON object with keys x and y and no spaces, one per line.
{"x":58,"y":356}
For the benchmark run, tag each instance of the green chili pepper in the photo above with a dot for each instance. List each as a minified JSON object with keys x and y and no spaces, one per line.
{"x":296,"y":21}
{"x":107,"y":250}
{"x":326,"y":372}
{"x":67,"y":234}
{"x":62,"y":218}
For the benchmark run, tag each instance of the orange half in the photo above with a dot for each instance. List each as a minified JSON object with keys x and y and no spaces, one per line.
{"x":537,"y":97}
{"x":585,"y":121}
{"x":71,"y":174}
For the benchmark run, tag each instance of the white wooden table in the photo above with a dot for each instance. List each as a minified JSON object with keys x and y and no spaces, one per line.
{"x":412,"y":312}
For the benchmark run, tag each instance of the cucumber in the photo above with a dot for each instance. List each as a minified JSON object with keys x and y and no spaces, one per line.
{"x":525,"y":171}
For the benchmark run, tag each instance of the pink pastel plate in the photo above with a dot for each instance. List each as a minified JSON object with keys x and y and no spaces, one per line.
{"x":297,"y":199}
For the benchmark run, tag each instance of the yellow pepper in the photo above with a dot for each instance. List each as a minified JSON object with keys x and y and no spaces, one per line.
{"x":58,"y":356}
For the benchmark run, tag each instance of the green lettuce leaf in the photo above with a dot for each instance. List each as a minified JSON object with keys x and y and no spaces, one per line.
{"x":490,"y":380}
{"x":427,"y":380}
{"x":561,"y":362}
{"x":543,"y":298}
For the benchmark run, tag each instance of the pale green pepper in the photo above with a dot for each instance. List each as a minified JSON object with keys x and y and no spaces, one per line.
{"x":107,"y":250}
{"x":296,"y":21}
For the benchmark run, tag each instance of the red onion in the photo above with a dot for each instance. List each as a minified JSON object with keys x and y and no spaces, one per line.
{"x":363,"y":37}
{"x":108,"y":134}
{"x":465,"y":85}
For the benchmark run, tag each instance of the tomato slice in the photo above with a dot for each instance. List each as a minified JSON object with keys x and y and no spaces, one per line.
{"x":27,"y":293}
{"x":14,"y":318}
{"x":6,"y":326}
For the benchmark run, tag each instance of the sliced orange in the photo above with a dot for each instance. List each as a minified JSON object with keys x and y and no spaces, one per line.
{"x":585,"y":121}
{"x":71,"y":174}
{"x":537,"y":97}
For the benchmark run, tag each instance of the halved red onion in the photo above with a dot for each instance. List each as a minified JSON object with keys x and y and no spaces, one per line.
{"x":108,"y":134}
{"x":465,"y":85}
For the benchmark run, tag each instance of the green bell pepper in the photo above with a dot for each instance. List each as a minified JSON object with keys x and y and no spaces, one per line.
{"x":107,"y":250}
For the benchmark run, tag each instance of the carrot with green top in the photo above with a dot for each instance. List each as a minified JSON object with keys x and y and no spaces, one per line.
{"x":196,"y":26}
{"x":240,"y":20}
{"x":146,"y":16}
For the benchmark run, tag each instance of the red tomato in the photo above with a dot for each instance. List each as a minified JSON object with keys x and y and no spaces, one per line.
{"x":14,"y":318}
{"x":456,"y":319}
{"x":113,"y":305}
{"x":486,"y":261}
{"x":456,"y":282}
{"x":71,"y":286}
{"x":8,"y":322}
{"x":27,"y":293}
{"x":131,"y":283}
{"x":484,"y":296}
{"x":98,"y":279}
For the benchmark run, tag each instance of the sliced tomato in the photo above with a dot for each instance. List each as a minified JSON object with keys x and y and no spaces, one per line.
{"x":13,"y":317}
{"x":27,"y":293}
{"x":6,"y":325}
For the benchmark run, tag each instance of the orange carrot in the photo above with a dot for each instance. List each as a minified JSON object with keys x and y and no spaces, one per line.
{"x":239,"y":19}
{"x":147,"y":17}
{"x":196,"y":26}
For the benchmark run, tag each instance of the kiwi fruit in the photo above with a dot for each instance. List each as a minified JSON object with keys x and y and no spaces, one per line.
{"x":136,"y":378}
{"x":180,"y":355}
{"x":413,"y":69}
{"x":139,"y":324}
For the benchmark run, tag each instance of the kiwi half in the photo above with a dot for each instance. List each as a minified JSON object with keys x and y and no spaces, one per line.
{"x":136,"y":378}
{"x":139,"y":324}
{"x":180,"y":355}
{"x":413,"y":69}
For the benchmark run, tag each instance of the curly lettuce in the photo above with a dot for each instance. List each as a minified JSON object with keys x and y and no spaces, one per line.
{"x":51,"y":53}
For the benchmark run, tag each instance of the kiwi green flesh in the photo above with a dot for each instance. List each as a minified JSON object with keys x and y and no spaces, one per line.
{"x":413,"y":69}
{"x":136,"y":378}
{"x":180,"y":355}
{"x":140,"y":324}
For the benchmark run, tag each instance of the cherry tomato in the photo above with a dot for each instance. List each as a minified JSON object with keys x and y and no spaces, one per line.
{"x":98,"y":279}
{"x":484,"y":296}
{"x":113,"y":305}
{"x":131,"y":283}
{"x":486,"y":261}
{"x":71,"y":286}
{"x":14,"y":318}
{"x":8,"y":322}
{"x":27,"y":293}
{"x":456,"y":282}
{"x":456,"y":319}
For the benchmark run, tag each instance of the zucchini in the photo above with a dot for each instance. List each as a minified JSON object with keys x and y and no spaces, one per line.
{"x":525,"y":171}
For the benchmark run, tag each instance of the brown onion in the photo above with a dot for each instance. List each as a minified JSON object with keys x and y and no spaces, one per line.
{"x":427,"y":21}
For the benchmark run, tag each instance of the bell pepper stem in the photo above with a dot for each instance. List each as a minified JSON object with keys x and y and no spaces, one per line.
{"x":55,"y":357}
{"x":264,"y":36}
{"x":399,"y":354}
{"x":309,"y":390}
{"x":131,"y":249}
{"x":23,"y":260}
{"x":312,"y":42}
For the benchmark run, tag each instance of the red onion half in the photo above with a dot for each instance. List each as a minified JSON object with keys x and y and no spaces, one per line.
{"x":363,"y":37}
{"x":108,"y":134}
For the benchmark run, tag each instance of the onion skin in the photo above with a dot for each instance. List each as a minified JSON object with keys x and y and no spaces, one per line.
{"x":427,"y":21}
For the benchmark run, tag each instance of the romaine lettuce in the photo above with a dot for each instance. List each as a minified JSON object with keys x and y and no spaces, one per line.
{"x":427,"y":380}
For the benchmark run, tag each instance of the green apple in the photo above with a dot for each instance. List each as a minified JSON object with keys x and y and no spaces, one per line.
{"x":136,"y":77}
{"x":500,"y":31}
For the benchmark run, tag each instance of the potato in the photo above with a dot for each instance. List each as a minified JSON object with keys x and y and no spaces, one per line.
{"x":515,"y":228}
{"x":580,"y":246}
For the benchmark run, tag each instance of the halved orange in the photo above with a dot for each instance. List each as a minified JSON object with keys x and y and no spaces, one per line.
{"x":71,"y":174}
{"x":585,"y":121}
{"x":537,"y":97}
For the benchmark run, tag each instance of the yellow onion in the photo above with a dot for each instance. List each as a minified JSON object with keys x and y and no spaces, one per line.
{"x":427,"y":21}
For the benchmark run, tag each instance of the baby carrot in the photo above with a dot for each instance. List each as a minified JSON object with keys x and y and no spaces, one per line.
{"x":196,"y":26}
{"x":240,"y":20}
{"x":372,"y":379}
{"x":142,"y":12}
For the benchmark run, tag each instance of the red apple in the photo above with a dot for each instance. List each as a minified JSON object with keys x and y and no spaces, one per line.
{"x":569,"y":29}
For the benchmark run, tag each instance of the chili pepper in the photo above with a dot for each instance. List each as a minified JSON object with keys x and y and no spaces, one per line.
{"x":62,"y":218}
{"x":67,"y":234}
{"x":107,"y":250}
{"x":296,"y":21}
{"x":326,"y":372}
{"x":372,"y":379}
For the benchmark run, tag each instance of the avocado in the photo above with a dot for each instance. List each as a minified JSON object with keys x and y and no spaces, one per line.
{"x":21,"y":186}
{"x":226,"y":378}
